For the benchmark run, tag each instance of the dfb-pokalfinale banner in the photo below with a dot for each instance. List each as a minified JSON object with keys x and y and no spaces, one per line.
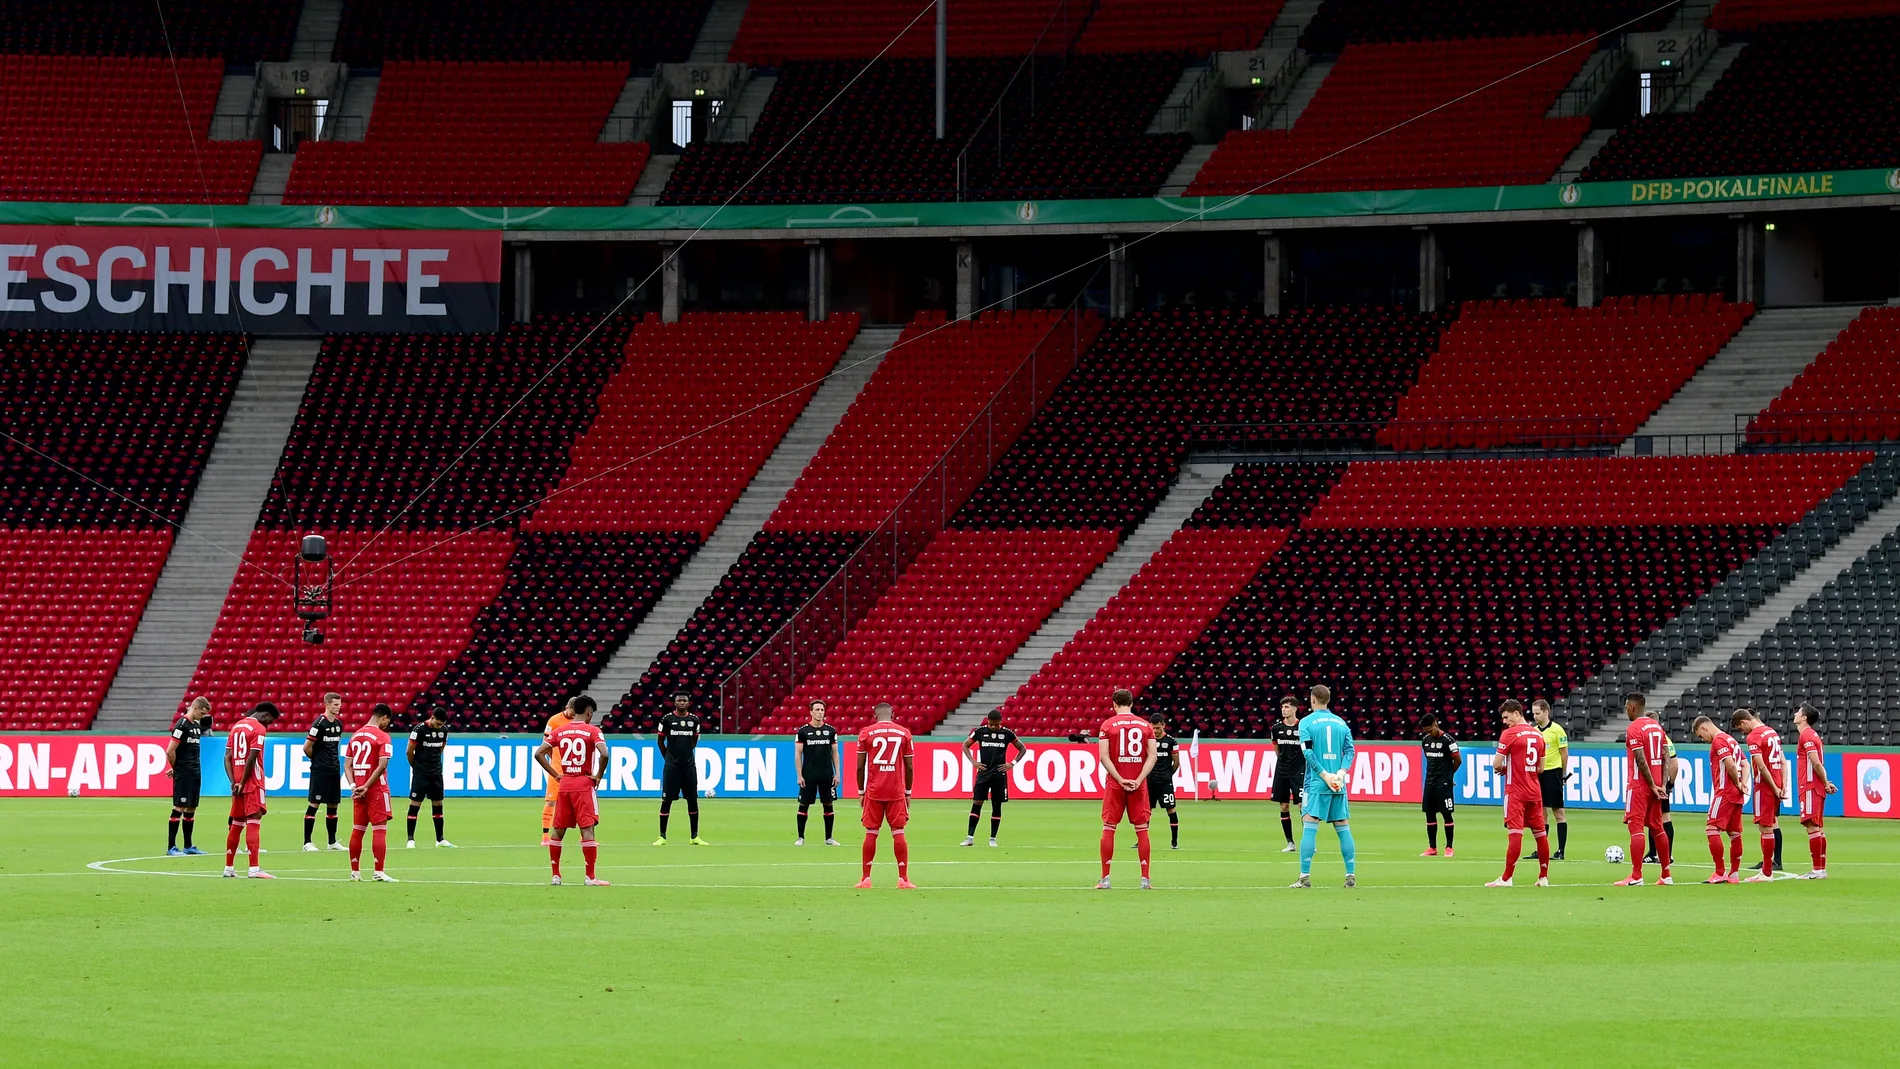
{"x":503,"y":767}
{"x":257,"y":281}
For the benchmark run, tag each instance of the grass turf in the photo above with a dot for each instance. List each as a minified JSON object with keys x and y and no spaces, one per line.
{"x":754,"y":952}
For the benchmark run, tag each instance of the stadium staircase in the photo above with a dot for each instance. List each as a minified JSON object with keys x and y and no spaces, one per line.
{"x":1811,"y":96}
{"x":718,"y":32}
{"x":1658,"y":658}
{"x":1747,"y":373}
{"x":190,"y":590}
{"x":1573,"y":166}
{"x":1450,"y":582}
{"x":1850,"y":393}
{"x":747,"y":516}
{"x":1540,"y":371}
{"x":273,"y":174}
{"x":743,"y":114}
{"x":1677,"y":694}
{"x":353,"y":112}
{"x":1704,"y":80}
{"x":1196,"y":482}
{"x":1837,"y":649}
{"x":317,"y":27}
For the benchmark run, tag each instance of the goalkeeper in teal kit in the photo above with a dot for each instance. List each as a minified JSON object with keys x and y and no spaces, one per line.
{"x":1327,"y":743}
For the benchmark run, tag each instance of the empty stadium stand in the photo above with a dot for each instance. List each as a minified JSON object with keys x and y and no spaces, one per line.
{"x":70,"y":131}
{"x":734,"y":381}
{"x":568,"y":599}
{"x":1089,"y":135}
{"x":932,"y":384}
{"x":385,"y":415}
{"x":108,"y":430}
{"x":777,"y":31}
{"x":240,"y":32}
{"x":1838,"y":650}
{"x":1141,"y":630}
{"x":1662,"y":660}
{"x":1817,"y":96}
{"x":1195,"y":26}
{"x":875,"y":140}
{"x":1442,"y":585}
{"x":69,"y":601}
{"x":406,"y":606}
{"x":102,"y":440}
{"x":952,"y":618}
{"x":1542,"y":371}
{"x":1850,"y":393}
{"x":1111,"y":439}
{"x":1741,"y":16}
{"x":1497,"y":135}
{"x":451,"y":132}
{"x":598,"y":554}
{"x":1340,"y":22}
{"x":923,"y":395}
{"x":643,"y":32}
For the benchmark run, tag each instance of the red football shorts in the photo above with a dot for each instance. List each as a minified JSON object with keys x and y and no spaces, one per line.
{"x":249,"y":805}
{"x":1725,"y":814}
{"x":575,"y":807}
{"x":370,"y":809}
{"x":1116,"y":801}
{"x":1813,"y":804}
{"x":1522,"y":813}
{"x":878,"y":811}
{"x":1644,"y":809}
{"x":1767,"y":808}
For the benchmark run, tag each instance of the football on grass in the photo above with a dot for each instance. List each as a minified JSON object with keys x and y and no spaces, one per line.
{"x":1613,"y":855}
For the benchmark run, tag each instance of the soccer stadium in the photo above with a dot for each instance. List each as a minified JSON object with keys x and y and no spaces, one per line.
{"x":652,"y":530}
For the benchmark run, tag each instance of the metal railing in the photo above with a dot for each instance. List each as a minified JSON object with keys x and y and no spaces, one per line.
{"x":1848,"y":427}
{"x":1696,"y":56}
{"x":782,"y":661}
{"x":1434,"y":438}
{"x":1179,"y":118}
{"x":1277,"y":88}
{"x":1606,"y":66}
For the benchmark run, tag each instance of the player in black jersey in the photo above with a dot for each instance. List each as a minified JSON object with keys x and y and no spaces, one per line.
{"x":323,"y":746}
{"x":426,"y":742}
{"x":678,"y":739}
{"x":1161,"y":779}
{"x":1441,"y":774}
{"x":815,"y":752}
{"x":988,"y":751}
{"x":1289,"y":769}
{"x":181,"y":764}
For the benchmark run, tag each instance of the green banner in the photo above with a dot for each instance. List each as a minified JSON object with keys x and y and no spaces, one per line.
{"x":978,"y":214}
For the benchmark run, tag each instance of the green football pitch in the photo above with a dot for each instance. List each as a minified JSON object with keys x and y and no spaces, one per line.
{"x":753,"y":952}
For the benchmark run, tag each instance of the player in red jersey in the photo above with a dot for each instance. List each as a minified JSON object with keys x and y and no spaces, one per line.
{"x":1725,"y":800}
{"x":1644,"y":781}
{"x":1813,"y":786}
{"x":1127,"y":753}
{"x":244,"y":763}
{"x":576,"y":757}
{"x":1765,"y":764}
{"x":1520,"y":760}
{"x":886,"y":773}
{"x":367,"y":758}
